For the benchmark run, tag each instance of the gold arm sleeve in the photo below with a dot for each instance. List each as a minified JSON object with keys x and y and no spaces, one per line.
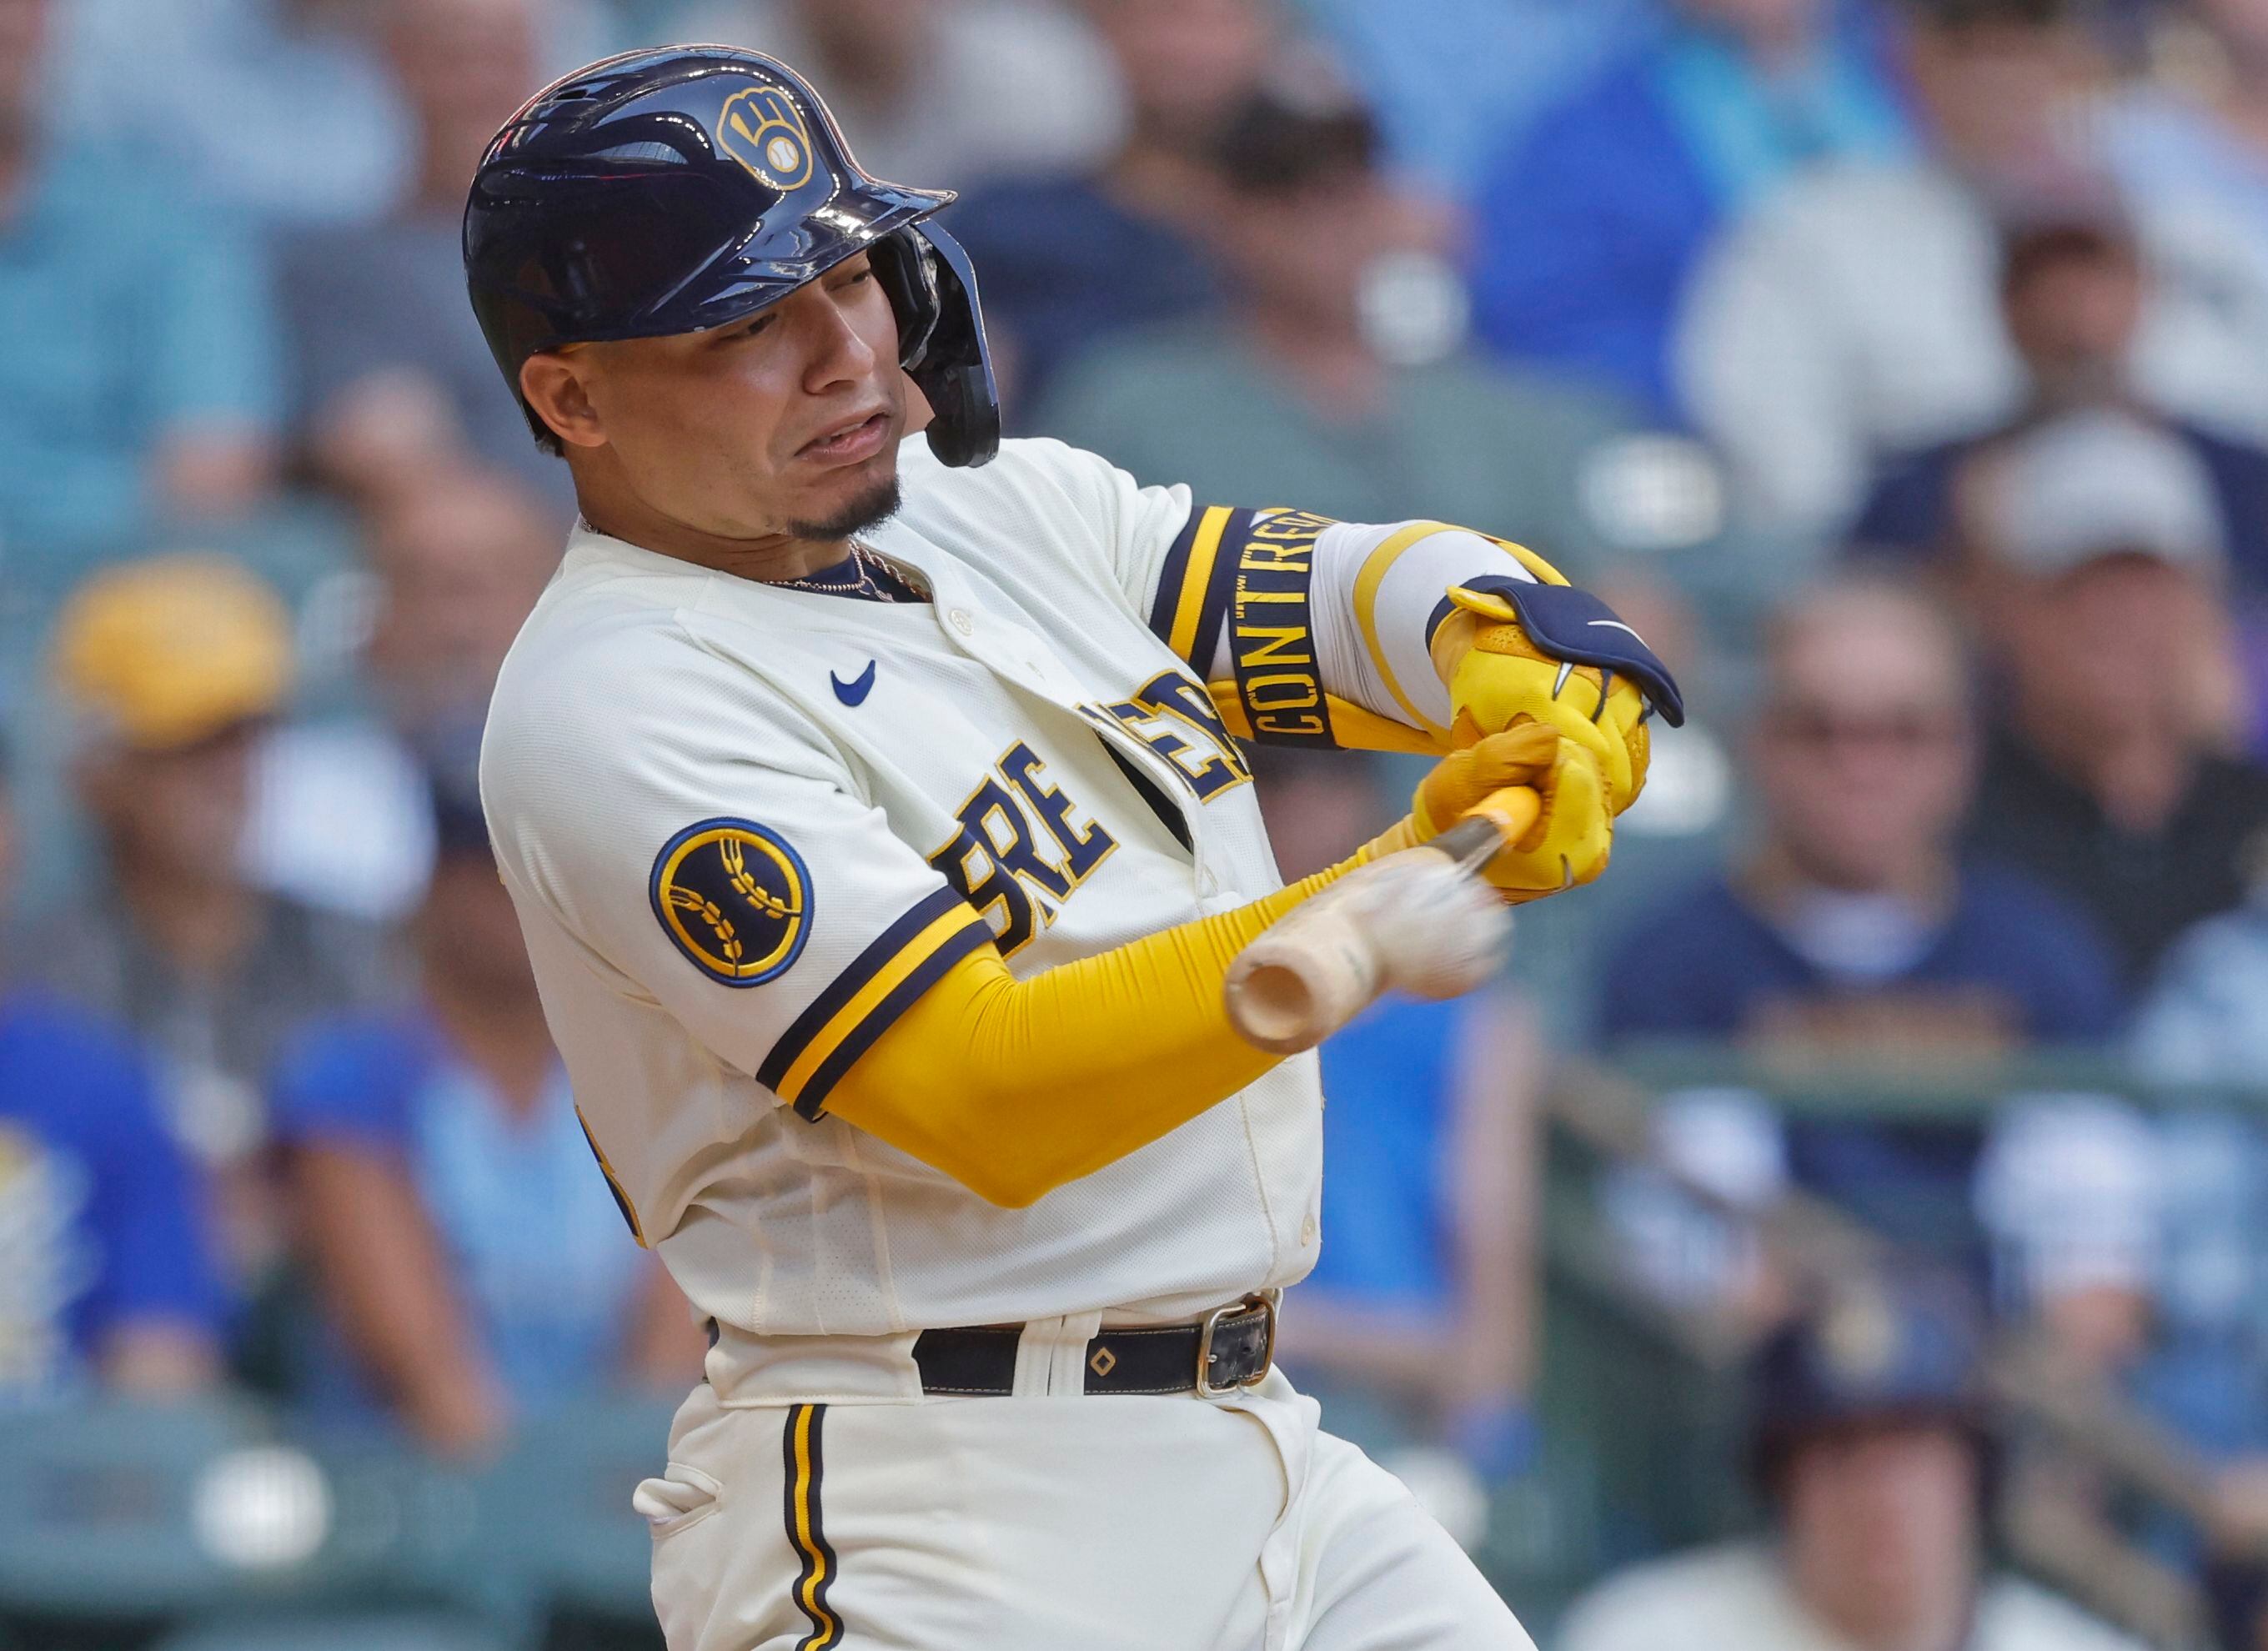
{"x":1013,"y":1087}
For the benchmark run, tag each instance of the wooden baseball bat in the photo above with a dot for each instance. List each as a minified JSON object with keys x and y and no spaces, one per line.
{"x":1314,"y":969}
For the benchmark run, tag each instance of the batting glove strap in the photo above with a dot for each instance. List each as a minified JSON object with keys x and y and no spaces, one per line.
{"x":1572,"y":626}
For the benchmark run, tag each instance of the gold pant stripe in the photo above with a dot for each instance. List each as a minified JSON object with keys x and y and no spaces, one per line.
{"x":799,"y":1444}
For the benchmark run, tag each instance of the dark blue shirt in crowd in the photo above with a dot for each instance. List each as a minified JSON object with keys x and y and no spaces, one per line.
{"x":99,"y":1224}
{"x":2014,"y":957}
{"x":1705,"y":965}
{"x":1062,"y":265}
{"x":1909,"y":513}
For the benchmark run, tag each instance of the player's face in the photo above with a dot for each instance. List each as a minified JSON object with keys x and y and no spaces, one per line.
{"x":786,"y":422}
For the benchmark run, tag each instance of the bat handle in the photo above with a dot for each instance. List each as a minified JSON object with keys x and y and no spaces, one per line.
{"x":1499,"y":818}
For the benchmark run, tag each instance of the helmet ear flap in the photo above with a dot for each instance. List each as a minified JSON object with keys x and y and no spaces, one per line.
{"x":932,"y":287}
{"x":902,"y":266}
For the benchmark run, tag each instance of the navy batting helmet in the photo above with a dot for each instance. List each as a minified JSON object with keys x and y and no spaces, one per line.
{"x":678,"y":189}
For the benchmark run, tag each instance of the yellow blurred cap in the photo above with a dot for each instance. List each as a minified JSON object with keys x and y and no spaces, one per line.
{"x":164,"y":652}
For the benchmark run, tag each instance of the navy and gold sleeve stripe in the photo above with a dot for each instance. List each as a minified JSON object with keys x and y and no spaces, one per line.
{"x":1193,"y":586}
{"x":614,"y":1181}
{"x":862,"y":1002}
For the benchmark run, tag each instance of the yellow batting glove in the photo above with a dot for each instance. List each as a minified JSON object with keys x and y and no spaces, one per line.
{"x":1572,"y":836}
{"x":1514,"y":654}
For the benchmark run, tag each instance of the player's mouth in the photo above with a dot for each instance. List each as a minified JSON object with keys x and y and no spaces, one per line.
{"x":852,"y":442}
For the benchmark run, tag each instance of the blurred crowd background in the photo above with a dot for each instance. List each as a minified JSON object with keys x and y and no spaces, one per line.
{"x":1843,"y":1230}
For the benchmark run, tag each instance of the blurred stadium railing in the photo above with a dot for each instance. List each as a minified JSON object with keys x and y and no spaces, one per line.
{"x":1647,"y":1386}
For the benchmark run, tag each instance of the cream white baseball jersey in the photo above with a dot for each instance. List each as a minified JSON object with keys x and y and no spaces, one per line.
{"x":746,"y":824}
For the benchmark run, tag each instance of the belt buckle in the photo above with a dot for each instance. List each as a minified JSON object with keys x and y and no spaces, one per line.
{"x":1207,"y":1388}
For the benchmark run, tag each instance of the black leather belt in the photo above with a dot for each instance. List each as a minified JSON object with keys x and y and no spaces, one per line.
{"x":1231,"y":1347}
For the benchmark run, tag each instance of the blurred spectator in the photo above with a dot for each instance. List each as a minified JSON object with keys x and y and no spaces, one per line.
{"x":2194,"y":143}
{"x":1335,"y":383}
{"x":941,"y":94}
{"x":393,"y":376}
{"x":1855,"y":923}
{"x":344,"y":821}
{"x":104,"y":1271}
{"x":279,"y":110}
{"x":1687,"y":1223}
{"x":1066,"y":261}
{"x":2136,"y":1242}
{"x":1592,"y":217}
{"x":2201,"y":130}
{"x":2071,"y":294}
{"x":2205,"y":1024}
{"x":139,"y":374}
{"x":2105,"y":565}
{"x":468,"y":1248}
{"x":1869,"y":1446}
{"x":2236,"y":1590}
{"x":273,"y":107}
{"x":1449,"y":78}
{"x":1851,"y":316}
{"x":170,"y":668}
{"x":2072,"y":1193}
{"x":2205,"y":1021}
{"x":459,"y":567}
{"x":1856,"y":932}
{"x":1425,"y":1292}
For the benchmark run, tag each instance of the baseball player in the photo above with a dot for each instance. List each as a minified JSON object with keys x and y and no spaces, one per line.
{"x":877,"y":820}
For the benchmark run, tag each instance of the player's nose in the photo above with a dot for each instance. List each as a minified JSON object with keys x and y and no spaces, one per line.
{"x":840,"y":353}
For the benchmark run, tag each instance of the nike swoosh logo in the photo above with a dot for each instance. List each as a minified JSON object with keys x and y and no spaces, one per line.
{"x":1614,"y":624}
{"x":855,"y":691}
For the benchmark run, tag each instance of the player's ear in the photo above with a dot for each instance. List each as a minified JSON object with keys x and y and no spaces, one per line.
{"x":553,"y":382}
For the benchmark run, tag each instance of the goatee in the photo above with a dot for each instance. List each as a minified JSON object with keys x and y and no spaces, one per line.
{"x":870,"y":509}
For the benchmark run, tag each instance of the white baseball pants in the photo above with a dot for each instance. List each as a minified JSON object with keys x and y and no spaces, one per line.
{"x":1038,"y":1524}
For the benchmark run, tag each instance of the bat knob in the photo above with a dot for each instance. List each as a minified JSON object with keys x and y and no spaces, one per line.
{"x":1288,"y":992}
{"x":1413,"y":920}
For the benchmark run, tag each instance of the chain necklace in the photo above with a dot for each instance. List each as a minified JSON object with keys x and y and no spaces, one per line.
{"x":870,"y":572}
